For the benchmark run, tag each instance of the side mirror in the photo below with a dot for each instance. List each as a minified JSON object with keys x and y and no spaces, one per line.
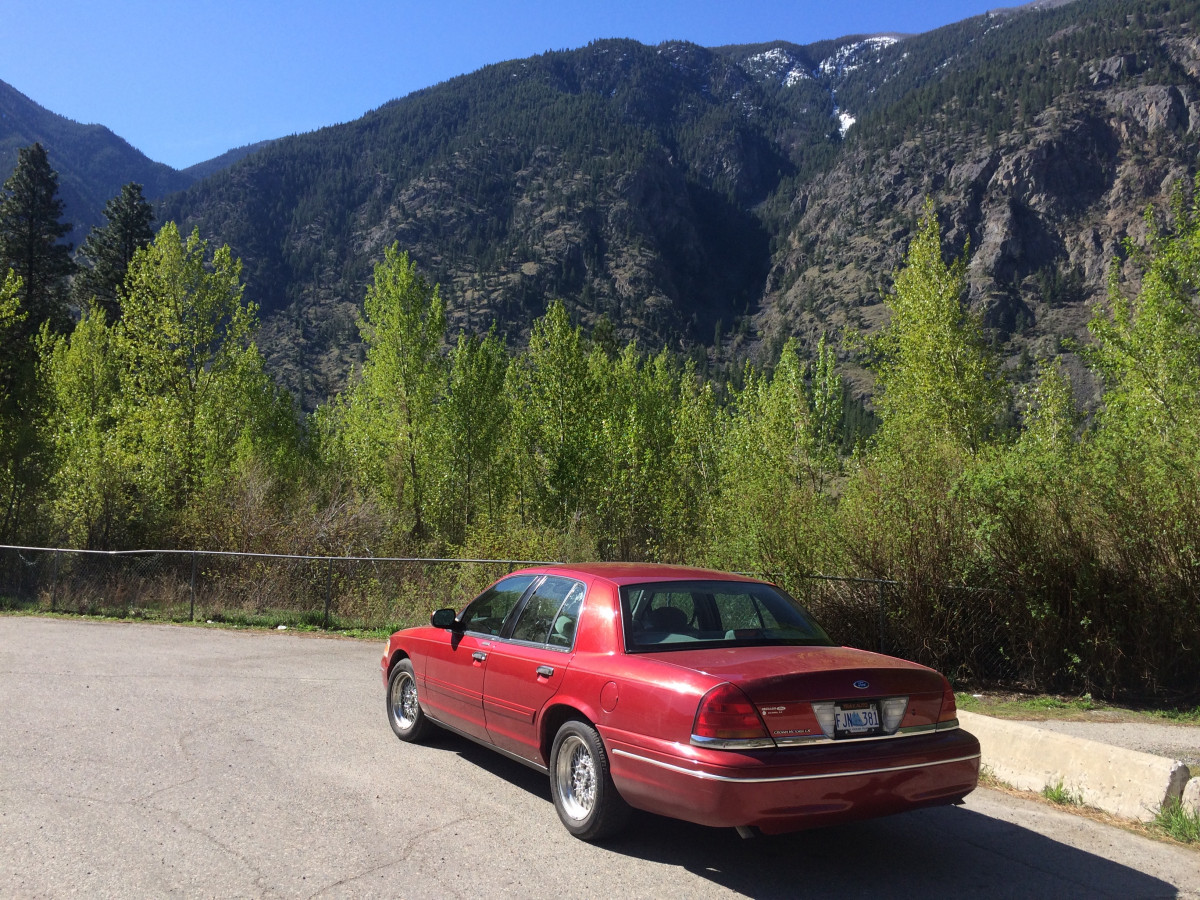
{"x":445,"y":618}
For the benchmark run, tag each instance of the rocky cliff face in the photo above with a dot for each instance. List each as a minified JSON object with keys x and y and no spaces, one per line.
{"x":1044,"y":212}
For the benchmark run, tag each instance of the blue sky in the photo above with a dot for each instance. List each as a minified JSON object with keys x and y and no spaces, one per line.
{"x":184,"y":82}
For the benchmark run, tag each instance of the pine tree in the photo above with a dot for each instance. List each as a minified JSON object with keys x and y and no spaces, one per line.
{"x":30,"y":231}
{"x":109,"y":250}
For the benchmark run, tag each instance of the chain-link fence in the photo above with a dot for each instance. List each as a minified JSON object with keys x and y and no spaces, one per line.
{"x":329,"y":592}
{"x":967,"y":633}
{"x":962,"y":632}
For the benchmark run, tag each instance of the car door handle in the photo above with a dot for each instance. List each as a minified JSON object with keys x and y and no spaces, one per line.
{"x":545,"y":671}
{"x":479,"y":656}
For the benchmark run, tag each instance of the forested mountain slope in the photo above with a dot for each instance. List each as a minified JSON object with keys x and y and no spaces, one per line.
{"x":728,"y":196}
{"x":620,"y":177}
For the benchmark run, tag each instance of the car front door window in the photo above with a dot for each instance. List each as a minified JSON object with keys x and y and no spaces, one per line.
{"x":549,"y":615}
{"x":488,"y":612}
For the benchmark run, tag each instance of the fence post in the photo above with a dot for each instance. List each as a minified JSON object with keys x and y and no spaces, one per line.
{"x":54,"y":579}
{"x":328,"y":591}
{"x":882,"y":616}
{"x":192,"y":608}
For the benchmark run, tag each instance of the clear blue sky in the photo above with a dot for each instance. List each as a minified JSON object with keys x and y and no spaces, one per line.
{"x":184,"y":82}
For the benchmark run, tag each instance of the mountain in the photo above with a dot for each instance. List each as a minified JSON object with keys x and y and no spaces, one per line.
{"x":705,"y":198}
{"x":92,"y":162}
{"x":621,"y":177}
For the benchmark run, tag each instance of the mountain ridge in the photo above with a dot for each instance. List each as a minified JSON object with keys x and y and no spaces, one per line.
{"x":93,"y":163}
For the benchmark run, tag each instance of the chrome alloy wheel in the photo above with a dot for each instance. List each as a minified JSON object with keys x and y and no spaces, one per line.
{"x":405,"y":707}
{"x":575,"y":778}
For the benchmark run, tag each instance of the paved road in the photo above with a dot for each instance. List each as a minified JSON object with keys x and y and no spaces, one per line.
{"x":152,"y":760}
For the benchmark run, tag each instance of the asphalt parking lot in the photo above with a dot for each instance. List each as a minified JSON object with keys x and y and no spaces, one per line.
{"x":156,"y":760}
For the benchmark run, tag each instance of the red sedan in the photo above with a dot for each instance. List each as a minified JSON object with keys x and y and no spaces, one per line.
{"x":686,"y":692}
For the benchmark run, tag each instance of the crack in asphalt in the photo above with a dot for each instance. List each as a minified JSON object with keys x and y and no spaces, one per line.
{"x":406,"y":852}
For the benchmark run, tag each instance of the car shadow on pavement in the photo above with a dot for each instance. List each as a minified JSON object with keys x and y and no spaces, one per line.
{"x":932,"y":852}
{"x":935,"y":852}
{"x":501,"y":766}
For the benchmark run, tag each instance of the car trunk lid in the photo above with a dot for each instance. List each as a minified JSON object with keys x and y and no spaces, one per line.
{"x":783,"y":683}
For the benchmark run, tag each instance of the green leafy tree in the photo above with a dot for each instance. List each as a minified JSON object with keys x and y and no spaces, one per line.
{"x":774,"y":465}
{"x":384,"y":433}
{"x":1144,"y":452}
{"x":474,"y":416}
{"x":1148,"y":346}
{"x":92,"y":497}
{"x":631,"y":476}
{"x":827,"y":395}
{"x":109,"y":250}
{"x":936,"y":378}
{"x":1031,"y":521}
{"x":14,"y":384}
{"x":940,"y":398}
{"x":30,"y":235}
{"x":551,"y":395}
{"x":686,"y":507}
{"x":22,"y":456}
{"x":196,"y":398}
{"x":12,"y":320}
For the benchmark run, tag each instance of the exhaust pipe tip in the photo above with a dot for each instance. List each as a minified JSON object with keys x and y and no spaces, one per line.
{"x":746,"y":832}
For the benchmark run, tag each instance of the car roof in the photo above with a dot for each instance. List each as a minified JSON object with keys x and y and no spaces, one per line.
{"x":621,"y":573}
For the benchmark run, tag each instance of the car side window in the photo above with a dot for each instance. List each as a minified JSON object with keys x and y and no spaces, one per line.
{"x":487,"y":613}
{"x":550,"y":615}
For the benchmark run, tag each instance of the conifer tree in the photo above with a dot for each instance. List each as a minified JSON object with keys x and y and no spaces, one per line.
{"x":109,"y":250}
{"x":30,"y":233}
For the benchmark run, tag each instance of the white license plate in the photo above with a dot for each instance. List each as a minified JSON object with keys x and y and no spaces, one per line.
{"x":857,"y":718}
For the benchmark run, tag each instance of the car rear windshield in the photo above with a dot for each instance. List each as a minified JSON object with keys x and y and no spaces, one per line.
{"x":687,"y":615}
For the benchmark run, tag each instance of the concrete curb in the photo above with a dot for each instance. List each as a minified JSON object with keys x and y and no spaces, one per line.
{"x":1191,"y":796}
{"x":1123,"y":782}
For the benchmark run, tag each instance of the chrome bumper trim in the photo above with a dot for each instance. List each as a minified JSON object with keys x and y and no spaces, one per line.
{"x":908,"y":731}
{"x":708,"y":776}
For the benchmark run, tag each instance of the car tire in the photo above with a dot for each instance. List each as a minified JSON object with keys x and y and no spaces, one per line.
{"x":404,"y":712}
{"x":585,"y":797}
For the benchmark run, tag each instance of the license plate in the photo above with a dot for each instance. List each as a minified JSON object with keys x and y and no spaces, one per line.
{"x":855,"y":719}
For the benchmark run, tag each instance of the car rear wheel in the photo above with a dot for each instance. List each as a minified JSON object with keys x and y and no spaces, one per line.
{"x":405,"y":716}
{"x":583,"y":790}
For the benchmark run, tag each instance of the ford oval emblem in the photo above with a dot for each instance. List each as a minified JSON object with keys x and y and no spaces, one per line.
{"x":861,"y":685}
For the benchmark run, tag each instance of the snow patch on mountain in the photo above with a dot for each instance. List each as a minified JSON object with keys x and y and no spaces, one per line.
{"x":852,"y":56}
{"x":777,"y":64}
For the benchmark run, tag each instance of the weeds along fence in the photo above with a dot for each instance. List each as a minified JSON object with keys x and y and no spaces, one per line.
{"x":959,"y":631}
{"x":240,"y":588}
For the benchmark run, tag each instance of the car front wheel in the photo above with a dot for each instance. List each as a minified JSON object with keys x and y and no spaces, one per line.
{"x":403,"y":708}
{"x":583,"y":790}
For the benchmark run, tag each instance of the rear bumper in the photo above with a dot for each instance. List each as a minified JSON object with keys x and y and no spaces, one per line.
{"x":789,"y":789}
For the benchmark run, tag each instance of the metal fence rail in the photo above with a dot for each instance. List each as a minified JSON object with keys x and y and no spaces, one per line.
{"x":966,"y":633}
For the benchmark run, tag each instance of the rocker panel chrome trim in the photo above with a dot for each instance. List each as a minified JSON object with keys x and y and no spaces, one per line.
{"x":482,"y":743}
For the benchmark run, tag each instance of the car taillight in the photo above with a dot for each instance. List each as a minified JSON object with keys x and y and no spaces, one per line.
{"x":727,"y":718}
{"x":949,"y":711}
